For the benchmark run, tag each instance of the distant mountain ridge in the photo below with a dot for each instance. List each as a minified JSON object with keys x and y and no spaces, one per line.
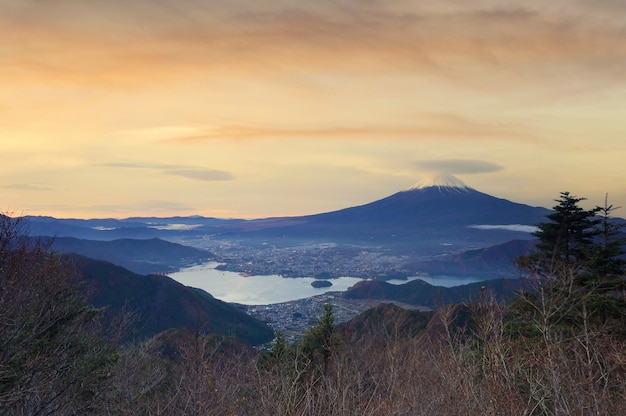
{"x":488,"y":262}
{"x":437,"y":215}
{"x":105,"y":229}
{"x":140,"y":256}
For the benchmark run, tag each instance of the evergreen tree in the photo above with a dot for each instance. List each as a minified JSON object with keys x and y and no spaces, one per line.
{"x":607,"y":266}
{"x":577,"y":271}
{"x":564,"y":242}
{"x":319,"y":341}
{"x":279,"y":356}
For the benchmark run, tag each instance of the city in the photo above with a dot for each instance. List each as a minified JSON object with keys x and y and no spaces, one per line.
{"x":293,"y":318}
{"x":322,"y":260}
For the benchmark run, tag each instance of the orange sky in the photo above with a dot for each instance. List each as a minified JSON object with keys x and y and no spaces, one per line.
{"x":260,"y":108}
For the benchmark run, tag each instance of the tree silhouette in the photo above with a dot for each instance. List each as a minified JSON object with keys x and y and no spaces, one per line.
{"x":565,"y":240}
{"x":53,"y":358}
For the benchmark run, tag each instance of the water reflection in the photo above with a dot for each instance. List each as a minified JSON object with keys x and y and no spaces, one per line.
{"x":262,"y":290}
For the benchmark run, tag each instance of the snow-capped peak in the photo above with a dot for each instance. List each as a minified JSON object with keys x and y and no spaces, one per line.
{"x":441,"y":180}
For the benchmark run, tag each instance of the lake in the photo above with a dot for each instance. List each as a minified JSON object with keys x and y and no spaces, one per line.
{"x":263,"y":290}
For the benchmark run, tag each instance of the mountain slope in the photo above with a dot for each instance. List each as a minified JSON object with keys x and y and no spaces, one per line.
{"x":105,"y":229}
{"x":419,"y":292}
{"x":489,"y":262}
{"x":158,"y":303}
{"x":140,"y":256}
{"x":384,"y":320}
{"x":440,"y":201}
{"x":419,"y":217}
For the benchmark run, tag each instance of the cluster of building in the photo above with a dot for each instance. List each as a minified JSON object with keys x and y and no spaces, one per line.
{"x":293,"y":318}
{"x":319,"y":260}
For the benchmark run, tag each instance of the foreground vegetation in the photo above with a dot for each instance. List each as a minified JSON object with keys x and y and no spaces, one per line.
{"x":558,"y":348}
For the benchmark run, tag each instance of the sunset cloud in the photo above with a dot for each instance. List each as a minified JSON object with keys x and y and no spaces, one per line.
{"x":116,"y":43}
{"x":201,"y":174}
{"x":262,"y":103}
{"x":189,"y":172}
{"x":28,"y":187}
{"x":458,"y":166}
{"x":420,"y":126}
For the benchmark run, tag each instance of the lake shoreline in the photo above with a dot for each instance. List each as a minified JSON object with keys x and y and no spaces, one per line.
{"x":235,"y":287}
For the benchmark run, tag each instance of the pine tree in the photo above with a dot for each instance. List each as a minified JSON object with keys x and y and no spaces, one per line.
{"x":576,"y":270}
{"x":564,"y":242}
{"x":279,"y":356}
{"x":607,"y":266}
{"x":319,"y":341}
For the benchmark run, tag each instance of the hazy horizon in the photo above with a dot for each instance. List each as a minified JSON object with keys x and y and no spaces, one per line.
{"x":585,"y":203}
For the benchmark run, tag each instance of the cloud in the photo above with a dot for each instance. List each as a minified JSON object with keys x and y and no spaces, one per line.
{"x":189,"y":172}
{"x":420,"y":126}
{"x":458,"y":166}
{"x":139,"y":165}
{"x":201,"y":174}
{"x":28,"y":187}
{"x":476,"y":45}
{"x":508,"y":227}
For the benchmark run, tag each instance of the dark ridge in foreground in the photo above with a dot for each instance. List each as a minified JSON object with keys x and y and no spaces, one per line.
{"x":382,"y":321}
{"x":419,"y":292}
{"x":158,"y":303}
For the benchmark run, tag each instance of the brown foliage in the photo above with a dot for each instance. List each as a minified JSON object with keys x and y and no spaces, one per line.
{"x":52,"y":356}
{"x":548,"y":355}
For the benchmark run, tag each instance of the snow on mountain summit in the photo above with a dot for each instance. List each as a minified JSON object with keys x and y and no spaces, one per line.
{"x":441,"y":181}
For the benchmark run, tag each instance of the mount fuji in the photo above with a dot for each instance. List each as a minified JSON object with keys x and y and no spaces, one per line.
{"x":437,"y":214}
{"x":442,"y":181}
{"x":436,"y":211}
